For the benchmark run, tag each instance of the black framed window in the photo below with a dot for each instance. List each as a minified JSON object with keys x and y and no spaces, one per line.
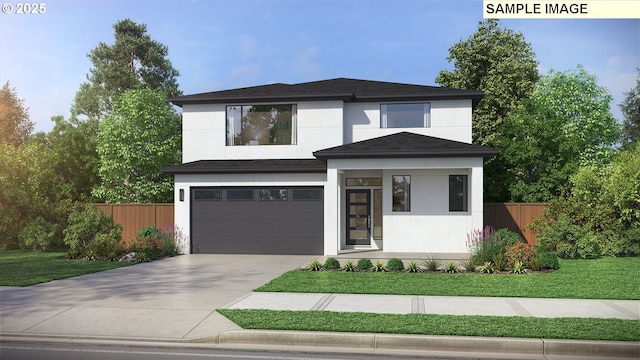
{"x":261,"y":124}
{"x":405,"y":115}
{"x":459,"y":193}
{"x":401,"y":187}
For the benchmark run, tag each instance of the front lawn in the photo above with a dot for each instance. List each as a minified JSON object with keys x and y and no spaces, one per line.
{"x":603,"y":278}
{"x":427,"y":324}
{"x":23,"y":268}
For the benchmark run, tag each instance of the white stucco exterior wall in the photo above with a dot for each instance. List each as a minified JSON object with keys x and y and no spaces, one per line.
{"x":450,"y":119}
{"x":319,"y":126}
{"x":429,"y":226}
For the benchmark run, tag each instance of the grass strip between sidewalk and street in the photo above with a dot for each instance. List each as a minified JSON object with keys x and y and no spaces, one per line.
{"x":603,"y":278}
{"x":428,"y":324}
{"x":24,"y":268}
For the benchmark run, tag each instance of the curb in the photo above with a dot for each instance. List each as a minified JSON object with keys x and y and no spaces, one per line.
{"x":369,"y":343}
{"x":382,"y":343}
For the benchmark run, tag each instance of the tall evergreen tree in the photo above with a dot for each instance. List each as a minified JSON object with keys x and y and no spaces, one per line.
{"x":499,"y":62}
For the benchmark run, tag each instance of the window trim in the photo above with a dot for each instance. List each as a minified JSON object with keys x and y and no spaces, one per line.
{"x":426,"y":121}
{"x":253,"y":194}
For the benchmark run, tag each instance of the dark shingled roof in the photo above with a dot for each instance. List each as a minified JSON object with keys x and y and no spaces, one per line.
{"x":249,"y":166}
{"x":405,"y":145}
{"x":348,"y":90}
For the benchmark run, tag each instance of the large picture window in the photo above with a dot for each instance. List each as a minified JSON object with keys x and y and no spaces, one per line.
{"x":401,"y":186}
{"x":261,"y":124}
{"x":405,"y":115}
{"x":458,"y":193}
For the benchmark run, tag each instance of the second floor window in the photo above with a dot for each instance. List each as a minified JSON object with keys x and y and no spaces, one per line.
{"x":405,"y":115}
{"x":261,"y":124}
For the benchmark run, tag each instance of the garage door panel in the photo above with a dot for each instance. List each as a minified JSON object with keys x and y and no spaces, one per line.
{"x":258,"y":226}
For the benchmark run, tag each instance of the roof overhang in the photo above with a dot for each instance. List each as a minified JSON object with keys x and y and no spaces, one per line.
{"x":265,"y":166}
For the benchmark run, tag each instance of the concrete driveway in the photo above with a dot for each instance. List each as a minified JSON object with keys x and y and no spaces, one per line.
{"x":171,"y":299}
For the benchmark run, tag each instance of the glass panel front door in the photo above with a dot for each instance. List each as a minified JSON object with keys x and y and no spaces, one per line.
{"x":359,"y":217}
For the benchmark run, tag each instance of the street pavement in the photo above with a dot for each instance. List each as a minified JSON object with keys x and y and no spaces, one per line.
{"x":174,"y":300}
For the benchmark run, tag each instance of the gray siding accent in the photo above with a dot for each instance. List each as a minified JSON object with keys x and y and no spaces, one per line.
{"x":257,"y":226}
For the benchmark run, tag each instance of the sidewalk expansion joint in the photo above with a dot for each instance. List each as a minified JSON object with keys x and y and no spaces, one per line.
{"x":323,"y":302}
{"x":417,"y":305}
{"x":518,"y":308}
{"x":621,"y":309}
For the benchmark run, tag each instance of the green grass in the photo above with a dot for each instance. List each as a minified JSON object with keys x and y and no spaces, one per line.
{"x":24,"y":268}
{"x":426,"y":324}
{"x":603,"y":278}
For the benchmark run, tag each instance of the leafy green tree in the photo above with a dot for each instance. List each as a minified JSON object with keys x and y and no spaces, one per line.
{"x":75,"y":160}
{"x":631,"y":110}
{"x":134,"y":61}
{"x":499,"y":62}
{"x":15,"y":125}
{"x":31,"y":204}
{"x":140,"y":137}
{"x":600,"y":214}
{"x":565,"y":123}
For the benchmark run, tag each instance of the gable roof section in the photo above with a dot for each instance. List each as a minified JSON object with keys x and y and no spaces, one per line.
{"x":405,"y":145}
{"x":347,"y":90}
{"x":249,"y":166}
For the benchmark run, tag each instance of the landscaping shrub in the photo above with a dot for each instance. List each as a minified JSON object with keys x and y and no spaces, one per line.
{"x":469,"y":264}
{"x":85,"y":224}
{"x":486,"y":244}
{"x":378,"y":267}
{"x":432,"y":264}
{"x":520,"y":252}
{"x":349,"y":266}
{"x":331,"y":264}
{"x":451,"y":268}
{"x":601,"y":214}
{"x":315,"y":266}
{"x":413,"y":267}
{"x":364,"y":264}
{"x":40,"y":235}
{"x":395,"y":264}
{"x":153,"y":243}
{"x":547,"y":259}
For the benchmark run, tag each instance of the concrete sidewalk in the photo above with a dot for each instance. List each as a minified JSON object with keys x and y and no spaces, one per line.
{"x":449,"y":305}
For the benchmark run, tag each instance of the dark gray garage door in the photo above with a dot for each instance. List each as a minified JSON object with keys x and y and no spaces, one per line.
{"x":265,"y":220}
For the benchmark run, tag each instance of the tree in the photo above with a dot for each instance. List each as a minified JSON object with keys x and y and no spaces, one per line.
{"x":31,"y":201}
{"x":75,"y":159}
{"x":134,"y":61}
{"x":140,"y":137}
{"x":631,"y":110}
{"x":15,"y":125}
{"x":498,"y":62}
{"x":566,"y":123}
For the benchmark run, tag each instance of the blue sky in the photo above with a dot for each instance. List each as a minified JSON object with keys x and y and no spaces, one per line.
{"x":218,"y":44}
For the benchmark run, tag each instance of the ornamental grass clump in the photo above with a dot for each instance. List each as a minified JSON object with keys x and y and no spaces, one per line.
{"x":378,"y":267}
{"x":413,"y":267}
{"x":349,"y":266}
{"x":432,"y":264}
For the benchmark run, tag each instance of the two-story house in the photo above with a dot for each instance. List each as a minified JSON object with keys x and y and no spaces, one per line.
{"x":327,"y":166}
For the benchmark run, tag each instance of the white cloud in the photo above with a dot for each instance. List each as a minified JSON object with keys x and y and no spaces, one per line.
{"x":245,"y":74}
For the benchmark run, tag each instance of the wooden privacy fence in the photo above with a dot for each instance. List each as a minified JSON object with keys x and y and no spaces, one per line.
{"x":135,"y":217}
{"x":514,"y":216}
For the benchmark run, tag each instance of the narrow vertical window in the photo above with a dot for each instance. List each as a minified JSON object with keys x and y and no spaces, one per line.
{"x":458,"y":193}
{"x":401,"y":187}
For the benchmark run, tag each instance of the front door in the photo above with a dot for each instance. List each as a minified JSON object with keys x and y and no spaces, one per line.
{"x":359,"y":217}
